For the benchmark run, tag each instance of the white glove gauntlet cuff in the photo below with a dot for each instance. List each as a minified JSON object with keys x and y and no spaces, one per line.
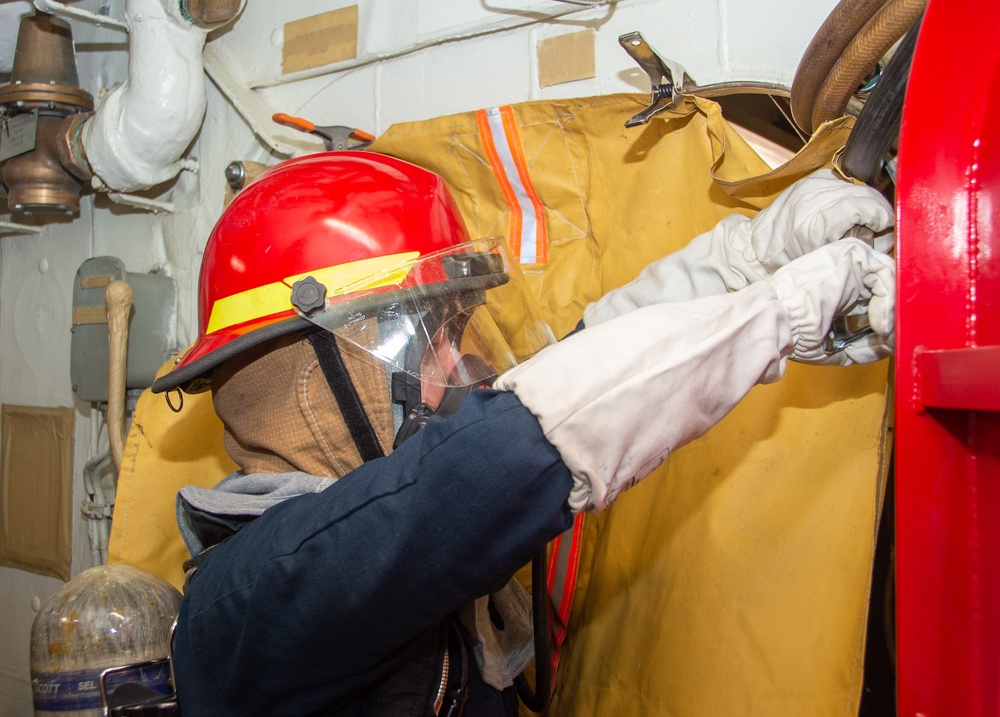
{"x":617,"y":398}
{"x":716,"y":262}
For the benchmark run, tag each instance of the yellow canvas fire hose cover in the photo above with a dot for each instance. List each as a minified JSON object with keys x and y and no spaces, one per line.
{"x":735,"y":579}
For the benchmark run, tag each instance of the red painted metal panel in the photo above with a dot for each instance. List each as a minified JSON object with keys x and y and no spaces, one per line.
{"x":948,"y":457}
{"x":965,"y":379}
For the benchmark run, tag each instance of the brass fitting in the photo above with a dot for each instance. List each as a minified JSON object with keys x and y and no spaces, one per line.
{"x":44,"y":82}
{"x":44,"y":76}
{"x":69,"y":146}
{"x":36,"y":181}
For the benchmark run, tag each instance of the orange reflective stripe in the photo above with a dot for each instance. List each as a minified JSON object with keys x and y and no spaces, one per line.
{"x":564,"y":564}
{"x":537,"y":208}
{"x":273,"y":298}
{"x":489,"y":147}
{"x":528,"y":236}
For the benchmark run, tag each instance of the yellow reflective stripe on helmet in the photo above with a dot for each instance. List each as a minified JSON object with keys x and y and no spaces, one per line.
{"x":274,"y":298}
{"x":248,"y":305}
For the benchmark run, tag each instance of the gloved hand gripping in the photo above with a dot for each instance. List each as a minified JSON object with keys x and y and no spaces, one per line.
{"x":815,"y":211}
{"x":834,"y":280}
{"x":616,"y":398}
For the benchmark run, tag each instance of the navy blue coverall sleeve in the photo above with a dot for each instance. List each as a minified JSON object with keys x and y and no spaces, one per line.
{"x":315,"y":600}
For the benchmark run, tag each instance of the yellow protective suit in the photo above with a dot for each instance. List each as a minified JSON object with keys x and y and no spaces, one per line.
{"x":735,"y":579}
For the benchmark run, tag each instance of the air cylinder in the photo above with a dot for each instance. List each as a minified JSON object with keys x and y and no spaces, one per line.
{"x":108,"y":616}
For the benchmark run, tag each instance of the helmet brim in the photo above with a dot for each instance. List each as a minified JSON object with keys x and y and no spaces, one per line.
{"x":192,"y":373}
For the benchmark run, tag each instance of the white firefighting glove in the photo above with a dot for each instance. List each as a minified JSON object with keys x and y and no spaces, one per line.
{"x":616,"y":398}
{"x":813,"y":292}
{"x":716,"y":262}
{"x":816,"y":210}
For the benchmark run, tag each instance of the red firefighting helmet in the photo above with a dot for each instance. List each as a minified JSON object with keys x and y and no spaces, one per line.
{"x":370,"y":248}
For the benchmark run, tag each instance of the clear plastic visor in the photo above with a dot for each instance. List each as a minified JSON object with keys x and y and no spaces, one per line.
{"x":457,"y":317}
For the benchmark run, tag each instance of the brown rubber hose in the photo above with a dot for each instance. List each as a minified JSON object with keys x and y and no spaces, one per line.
{"x":828,"y":44}
{"x":880,"y":34}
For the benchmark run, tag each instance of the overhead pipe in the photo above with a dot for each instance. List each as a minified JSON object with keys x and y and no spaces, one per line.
{"x":138,"y":135}
{"x":141,"y":128}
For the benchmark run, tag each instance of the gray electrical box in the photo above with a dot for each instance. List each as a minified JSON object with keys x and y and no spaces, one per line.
{"x":151,"y":327}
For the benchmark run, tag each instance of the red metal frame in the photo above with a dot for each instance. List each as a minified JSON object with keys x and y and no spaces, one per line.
{"x":948,"y":367}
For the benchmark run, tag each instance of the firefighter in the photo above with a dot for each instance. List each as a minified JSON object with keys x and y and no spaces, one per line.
{"x":409,"y":434}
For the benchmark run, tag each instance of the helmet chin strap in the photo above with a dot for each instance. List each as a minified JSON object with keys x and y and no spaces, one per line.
{"x":346,"y":395}
{"x":406,"y":390}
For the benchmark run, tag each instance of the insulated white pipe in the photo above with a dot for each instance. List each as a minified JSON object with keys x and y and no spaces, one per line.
{"x":142,"y":127}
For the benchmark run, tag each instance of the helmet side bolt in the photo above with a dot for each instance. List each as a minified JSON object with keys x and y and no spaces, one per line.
{"x":308,"y":295}
{"x":236,"y":175}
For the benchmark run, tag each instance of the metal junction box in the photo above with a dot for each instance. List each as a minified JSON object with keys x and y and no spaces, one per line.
{"x":151,"y":328}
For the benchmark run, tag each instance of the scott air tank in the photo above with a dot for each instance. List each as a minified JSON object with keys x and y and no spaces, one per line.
{"x":107,"y":616}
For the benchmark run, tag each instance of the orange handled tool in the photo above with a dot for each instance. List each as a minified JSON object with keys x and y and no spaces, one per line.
{"x":334,"y":138}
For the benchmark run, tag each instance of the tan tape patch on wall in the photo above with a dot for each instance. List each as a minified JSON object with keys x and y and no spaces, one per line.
{"x":566,"y":58}
{"x":320,"y":40}
{"x":36,"y":489}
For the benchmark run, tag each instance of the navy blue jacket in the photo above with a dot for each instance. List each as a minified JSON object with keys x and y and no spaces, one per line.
{"x":324,"y":596}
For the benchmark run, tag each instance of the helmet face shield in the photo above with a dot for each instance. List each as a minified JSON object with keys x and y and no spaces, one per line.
{"x":453,"y":318}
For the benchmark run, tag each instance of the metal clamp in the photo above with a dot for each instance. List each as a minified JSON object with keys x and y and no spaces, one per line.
{"x":670,"y":83}
{"x":667,"y":79}
{"x":334,"y":137}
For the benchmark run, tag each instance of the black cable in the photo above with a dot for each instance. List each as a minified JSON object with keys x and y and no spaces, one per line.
{"x":877,"y":126}
{"x":537,"y":699}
